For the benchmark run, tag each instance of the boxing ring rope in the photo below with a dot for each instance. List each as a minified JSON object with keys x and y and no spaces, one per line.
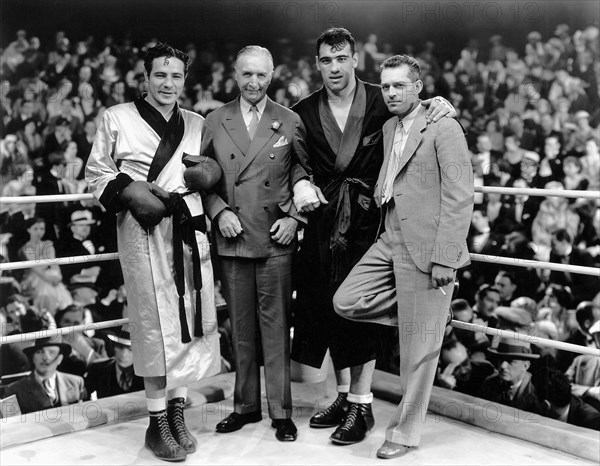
{"x":463,"y":325}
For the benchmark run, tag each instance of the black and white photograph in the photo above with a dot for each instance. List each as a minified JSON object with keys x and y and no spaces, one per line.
{"x":310,"y":232}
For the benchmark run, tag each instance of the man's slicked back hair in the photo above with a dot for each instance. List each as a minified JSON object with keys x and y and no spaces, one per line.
{"x":162,"y":49}
{"x":336,"y":38}
{"x":399,"y":60}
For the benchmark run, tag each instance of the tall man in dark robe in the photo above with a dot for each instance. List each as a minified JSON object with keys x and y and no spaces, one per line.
{"x":344,"y":122}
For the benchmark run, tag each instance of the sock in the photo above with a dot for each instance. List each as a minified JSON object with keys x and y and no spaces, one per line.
{"x":352,"y":398}
{"x":179,"y":392}
{"x":156,"y":404}
{"x":343,"y":388}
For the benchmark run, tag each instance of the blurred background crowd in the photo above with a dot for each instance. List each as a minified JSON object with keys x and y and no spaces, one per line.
{"x":531,"y":115}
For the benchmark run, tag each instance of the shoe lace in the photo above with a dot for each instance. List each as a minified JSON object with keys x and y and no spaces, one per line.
{"x":335,"y":405}
{"x":165,"y":432}
{"x":350,"y":419}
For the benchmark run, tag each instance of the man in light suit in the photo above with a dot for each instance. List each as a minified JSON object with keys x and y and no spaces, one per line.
{"x":425,"y":190}
{"x":45,"y":387}
{"x":259,"y":145}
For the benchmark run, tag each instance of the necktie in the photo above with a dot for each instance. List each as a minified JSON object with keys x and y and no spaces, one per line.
{"x":126,"y":379}
{"x":253,"y":122}
{"x":49,"y":391}
{"x":393,"y":164}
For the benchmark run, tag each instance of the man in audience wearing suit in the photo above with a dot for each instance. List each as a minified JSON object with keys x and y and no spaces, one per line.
{"x":78,"y":243}
{"x":114,"y":376}
{"x":45,"y":387}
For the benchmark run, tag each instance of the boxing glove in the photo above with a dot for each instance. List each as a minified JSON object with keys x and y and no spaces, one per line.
{"x":146,"y":202}
{"x":202,"y":173}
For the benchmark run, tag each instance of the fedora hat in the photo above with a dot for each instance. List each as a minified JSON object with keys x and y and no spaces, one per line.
{"x":509,"y":348}
{"x":55,"y":340}
{"x":82,"y":217}
{"x":120,"y":337}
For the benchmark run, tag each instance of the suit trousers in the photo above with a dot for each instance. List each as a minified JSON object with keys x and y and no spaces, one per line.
{"x":386,"y":287}
{"x":259,"y":296}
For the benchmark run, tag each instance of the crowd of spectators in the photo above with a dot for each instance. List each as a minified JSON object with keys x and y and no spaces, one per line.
{"x":531,"y":117}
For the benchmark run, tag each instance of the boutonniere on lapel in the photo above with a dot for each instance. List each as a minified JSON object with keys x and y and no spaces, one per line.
{"x":276,"y":125}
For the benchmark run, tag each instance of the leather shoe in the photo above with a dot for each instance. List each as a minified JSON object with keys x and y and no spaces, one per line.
{"x":391,"y":450}
{"x":285,"y":430}
{"x":331,"y":416}
{"x":359,"y":420}
{"x":235,"y":421}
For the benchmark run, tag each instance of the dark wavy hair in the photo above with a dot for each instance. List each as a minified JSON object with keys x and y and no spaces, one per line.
{"x":336,"y":38}
{"x":162,"y":49}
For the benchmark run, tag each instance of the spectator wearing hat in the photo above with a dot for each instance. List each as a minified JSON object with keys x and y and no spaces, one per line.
{"x":114,"y":376}
{"x":46,"y":387}
{"x":77,"y":242}
{"x":84,"y":350}
{"x":511,"y":384}
{"x":562,"y":405}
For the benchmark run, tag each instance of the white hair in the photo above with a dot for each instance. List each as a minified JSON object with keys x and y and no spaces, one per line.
{"x":257,"y":51}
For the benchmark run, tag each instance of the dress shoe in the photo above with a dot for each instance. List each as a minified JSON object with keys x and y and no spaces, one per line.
{"x":333,"y":415}
{"x":180,"y":432}
{"x":235,"y":421}
{"x":391,"y":450}
{"x":286,"y":430}
{"x":160,"y":441}
{"x":359,"y":420}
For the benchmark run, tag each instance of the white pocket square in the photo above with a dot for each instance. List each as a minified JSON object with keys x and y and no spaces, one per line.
{"x":281,"y":142}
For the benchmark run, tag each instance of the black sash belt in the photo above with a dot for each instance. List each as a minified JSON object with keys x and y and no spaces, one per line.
{"x":339,"y":241}
{"x":184,"y":231}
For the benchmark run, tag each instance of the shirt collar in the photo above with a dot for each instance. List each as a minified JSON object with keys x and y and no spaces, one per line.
{"x":409,"y":119}
{"x":245,"y":106}
{"x":41,"y":379}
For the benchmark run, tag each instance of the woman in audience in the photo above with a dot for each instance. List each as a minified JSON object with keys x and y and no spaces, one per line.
{"x":42,"y":283}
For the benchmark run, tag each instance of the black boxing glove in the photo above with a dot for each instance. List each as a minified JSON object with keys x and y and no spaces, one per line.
{"x":202,"y":173}
{"x":146,"y":202}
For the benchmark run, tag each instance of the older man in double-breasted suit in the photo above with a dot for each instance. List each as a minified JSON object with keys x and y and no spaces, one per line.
{"x":259,"y":145}
{"x":425,"y":190}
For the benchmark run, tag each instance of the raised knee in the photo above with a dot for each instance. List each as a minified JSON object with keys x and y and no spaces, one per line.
{"x":343,"y":302}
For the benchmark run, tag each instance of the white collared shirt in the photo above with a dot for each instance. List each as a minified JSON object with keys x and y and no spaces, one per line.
{"x":51,"y":381}
{"x":400,"y":137}
{"x":245,"y":107}
{"x":407,"y":122}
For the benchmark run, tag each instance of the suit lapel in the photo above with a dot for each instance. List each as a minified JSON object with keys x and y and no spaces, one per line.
{"x":236,"y":128}
{"x":64,"y":390}
{"x":263,"y":135}
{"x":37,"y":392}
{"x":414,"y":138}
